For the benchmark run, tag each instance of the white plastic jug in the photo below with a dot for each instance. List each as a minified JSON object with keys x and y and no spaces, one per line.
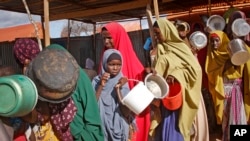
{"x":138,"y":99}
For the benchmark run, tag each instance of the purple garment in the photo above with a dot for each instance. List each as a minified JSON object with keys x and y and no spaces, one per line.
{"x":169,"y":130}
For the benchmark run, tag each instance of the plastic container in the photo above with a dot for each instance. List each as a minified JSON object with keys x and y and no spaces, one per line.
{"x":174,"y":99}
{"x":138,"y":99}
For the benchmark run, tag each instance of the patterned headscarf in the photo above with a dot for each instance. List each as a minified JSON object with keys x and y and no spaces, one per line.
{"x":25,"y":49}
{"x":61,"y":116}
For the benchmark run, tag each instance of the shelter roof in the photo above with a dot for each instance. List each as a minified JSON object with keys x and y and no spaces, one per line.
{"x":21,"y":31}
{"x":94,"y":11}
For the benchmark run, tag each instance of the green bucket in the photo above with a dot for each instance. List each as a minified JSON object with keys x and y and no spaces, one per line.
{"x":18,"y":95}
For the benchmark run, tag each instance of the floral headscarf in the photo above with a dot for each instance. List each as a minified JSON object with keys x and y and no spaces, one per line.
{"x":25,"y":48}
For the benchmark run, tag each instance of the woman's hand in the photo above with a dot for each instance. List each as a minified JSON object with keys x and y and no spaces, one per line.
{"x":170,"y":79}
{"x":105,"y":78}
{"x":150,"y":70}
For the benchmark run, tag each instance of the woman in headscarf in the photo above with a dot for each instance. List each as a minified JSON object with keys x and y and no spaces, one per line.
{"x":25,"y":50}
{"x":115,"y":36}
{"x":71,"y":115}
{"x":115,"y":123}
{"x":175,"y":62}
{"x":225,"y":83}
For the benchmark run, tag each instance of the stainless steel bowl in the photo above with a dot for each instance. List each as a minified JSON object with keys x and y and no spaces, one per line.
{"x":238,"y":52}
{"x":240,"y":27}
{"x":198,"y":39}
{"x":216,"y":22}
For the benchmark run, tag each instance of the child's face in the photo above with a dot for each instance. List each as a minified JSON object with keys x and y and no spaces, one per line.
{"x":114,"y":67}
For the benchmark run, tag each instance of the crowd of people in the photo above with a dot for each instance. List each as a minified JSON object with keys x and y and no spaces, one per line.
{"x":73,"y":105}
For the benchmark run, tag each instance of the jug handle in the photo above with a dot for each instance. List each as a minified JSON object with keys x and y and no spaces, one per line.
{"x":120,"y":83}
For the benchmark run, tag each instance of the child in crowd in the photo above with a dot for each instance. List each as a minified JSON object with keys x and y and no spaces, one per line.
{"x":116,"y":118}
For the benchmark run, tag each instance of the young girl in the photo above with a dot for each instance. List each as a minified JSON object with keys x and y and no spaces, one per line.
{"x":116,"y":124}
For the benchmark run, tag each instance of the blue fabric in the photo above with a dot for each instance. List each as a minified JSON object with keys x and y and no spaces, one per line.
{"x":115,"y":127}
{"x":170,"y":131}
{"x":147,"y":44}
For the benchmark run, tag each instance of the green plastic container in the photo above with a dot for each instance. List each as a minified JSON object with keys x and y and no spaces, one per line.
{"x":18,"y":95}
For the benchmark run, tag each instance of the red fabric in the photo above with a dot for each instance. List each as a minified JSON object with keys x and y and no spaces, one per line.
{"x":133,"y":69}
{"x":20,"y":138}
{"x":202,"y":60}
{"x":213,"y":35}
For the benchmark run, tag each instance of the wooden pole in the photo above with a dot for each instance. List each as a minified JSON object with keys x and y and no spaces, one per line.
{"x":156,"y":9}
{"x":150,"y":24}
{"x":46,"y":20}
{"x":209,"y":7}
{"x":35,"y":26}
{"x":69,"y":32}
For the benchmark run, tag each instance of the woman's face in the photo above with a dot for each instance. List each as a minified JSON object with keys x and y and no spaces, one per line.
{"x":215,"y":42}
{"x":107,"y":40}
{"x":114,"y":67}
{"x":158,"y":35}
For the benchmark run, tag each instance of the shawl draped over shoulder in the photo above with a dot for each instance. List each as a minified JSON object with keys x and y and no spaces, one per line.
{"x":215,"y":63}
{"x":175,"y":58}
{"x":114,"y":124}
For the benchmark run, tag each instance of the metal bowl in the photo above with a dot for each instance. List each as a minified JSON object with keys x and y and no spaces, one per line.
{"x":198,"y":39}
{"x":240,"y":27}
{"x":238,"y":52}
{"x":216,"y":22}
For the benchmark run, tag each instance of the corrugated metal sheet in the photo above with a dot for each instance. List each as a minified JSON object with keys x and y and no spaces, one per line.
{"x":80,"y":47}
{"x":7,"y":57}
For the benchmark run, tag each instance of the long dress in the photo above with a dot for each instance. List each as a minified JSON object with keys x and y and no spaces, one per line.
{"x":176,"y":59}
{"x":115,"y":125}
{"x":133,"y":69}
